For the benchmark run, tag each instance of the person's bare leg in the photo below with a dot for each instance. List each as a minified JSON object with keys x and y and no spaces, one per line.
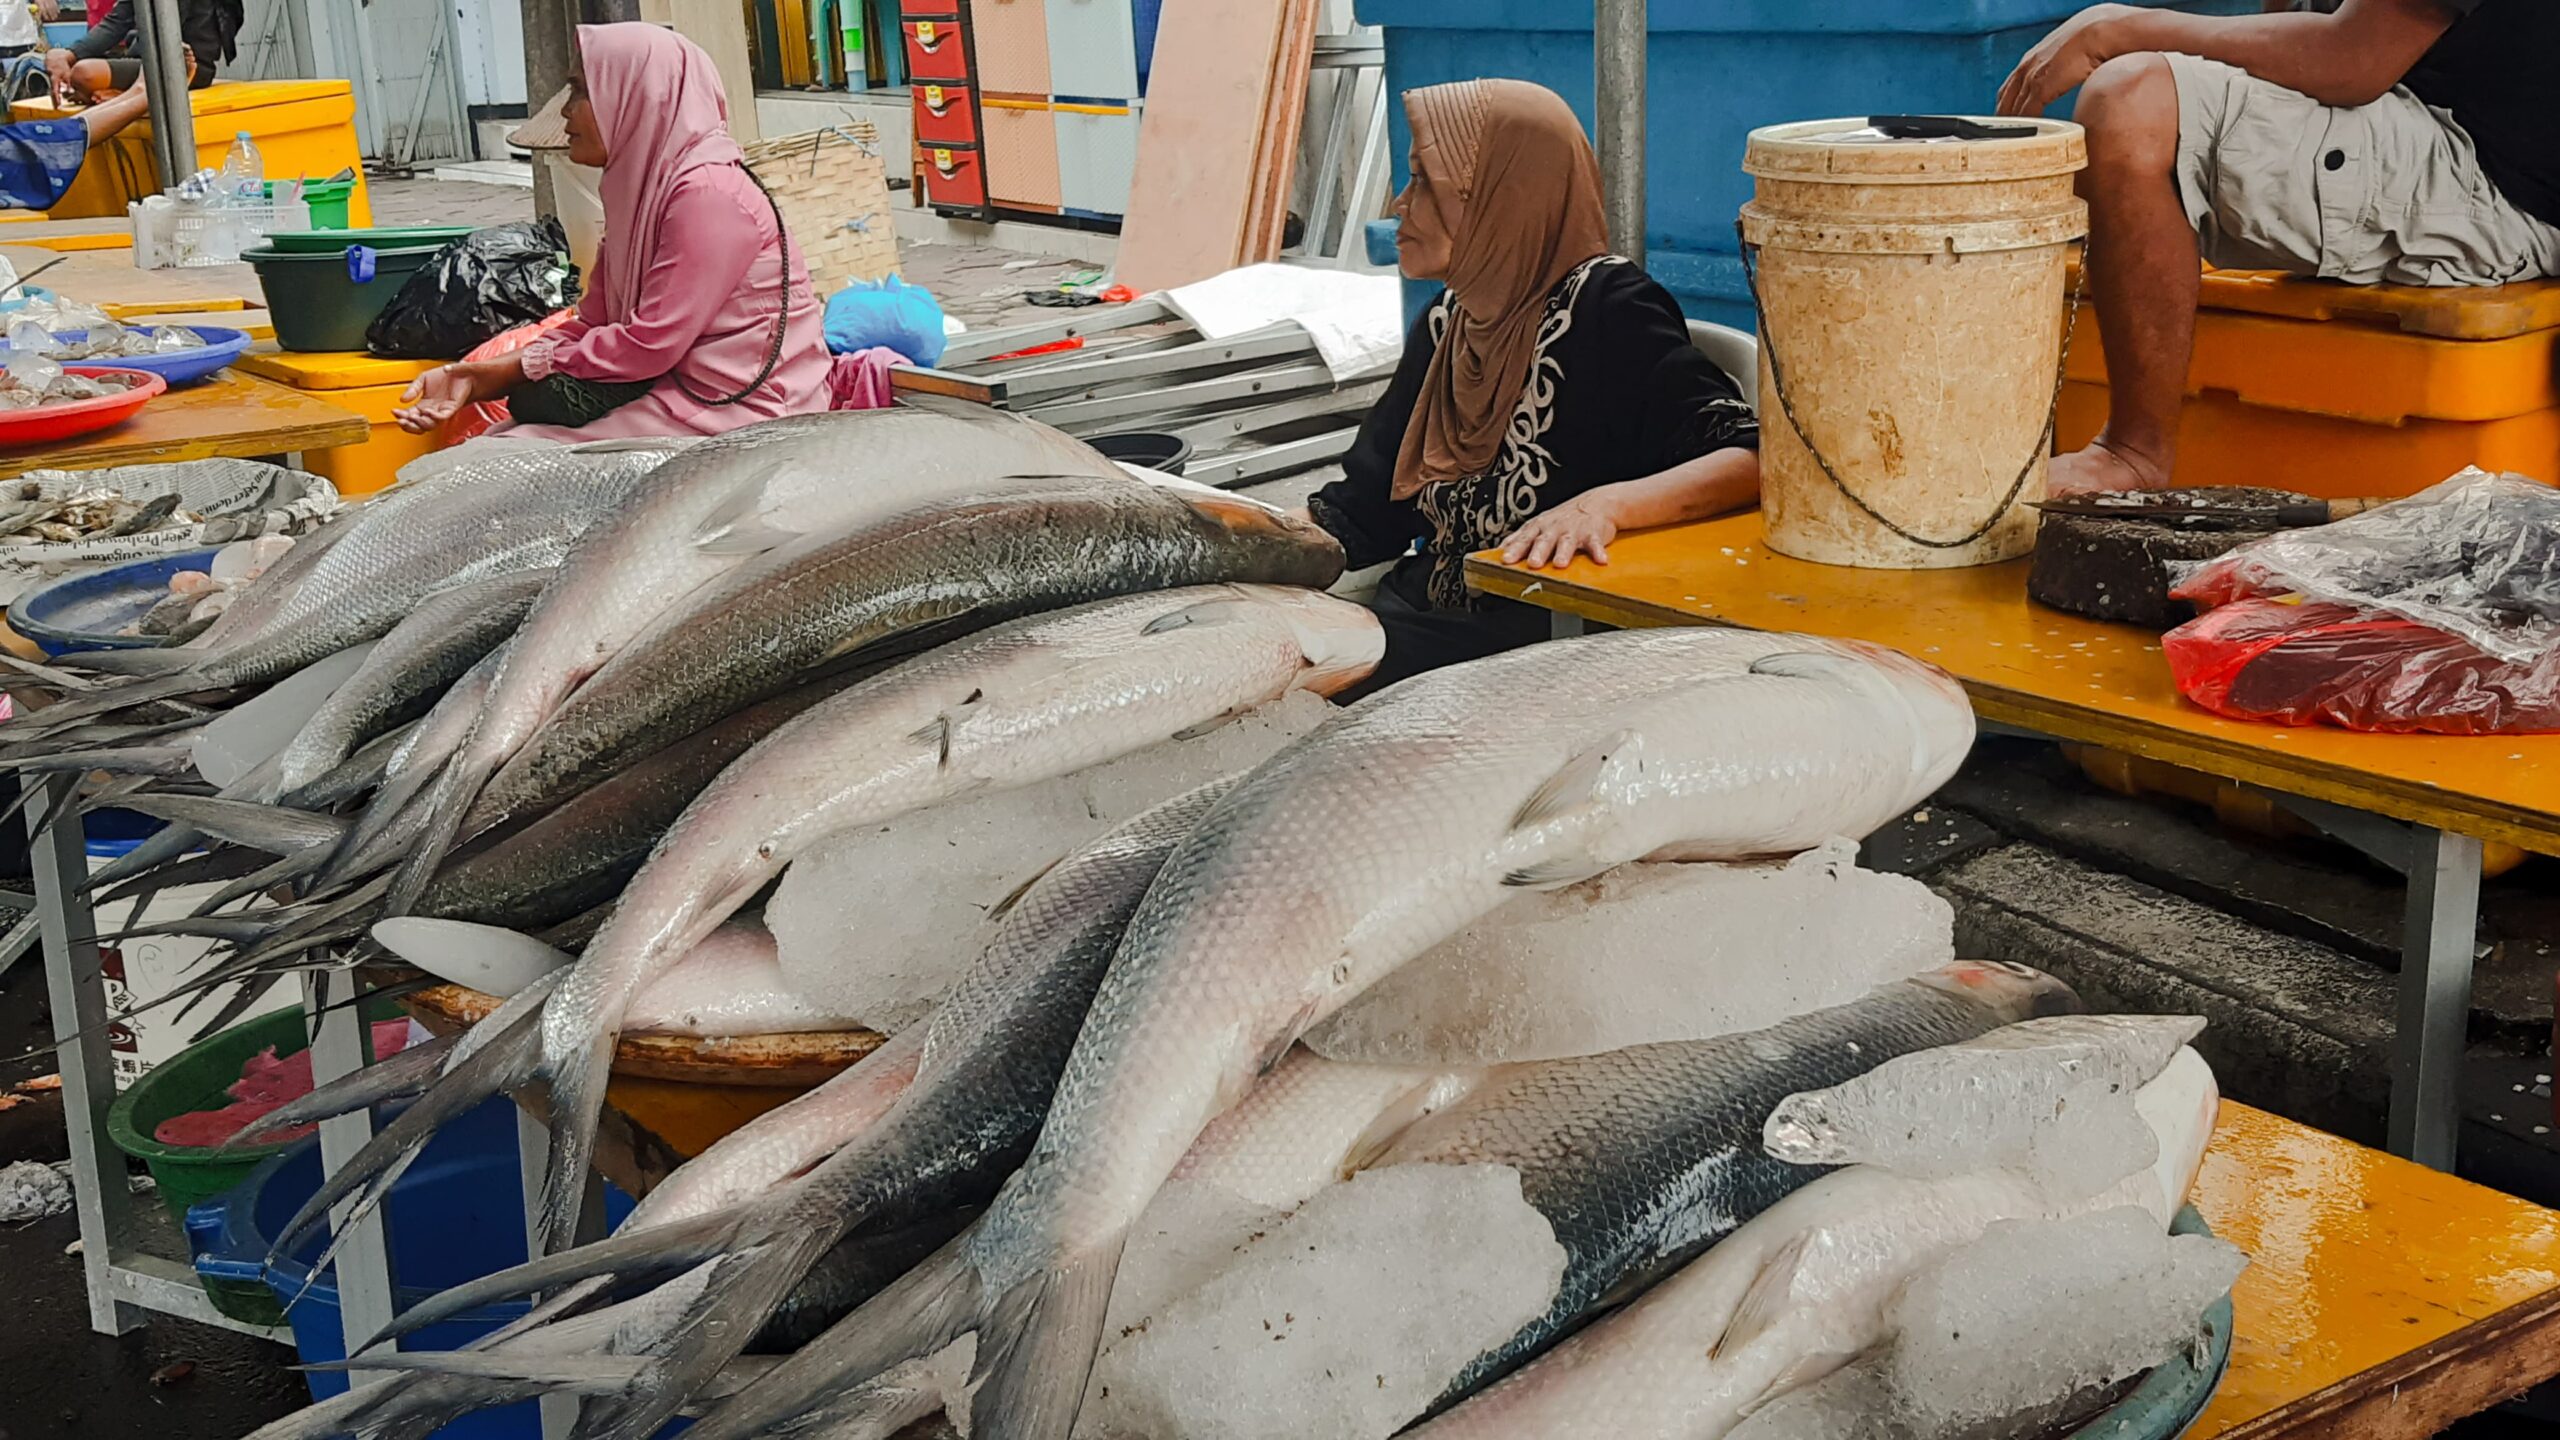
{"x":92,"y":80}
{"x":2143,"y":275}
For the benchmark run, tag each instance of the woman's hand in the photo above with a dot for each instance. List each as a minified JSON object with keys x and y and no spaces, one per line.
{"x":440,"y":394}
{"x":1584,"y":524}
{"x":2061,"y":60}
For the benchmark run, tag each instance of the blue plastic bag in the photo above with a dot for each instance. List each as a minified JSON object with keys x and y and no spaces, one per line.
{"x":890,"y":312}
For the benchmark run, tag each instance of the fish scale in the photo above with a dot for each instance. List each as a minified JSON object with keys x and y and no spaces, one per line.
{"x":1642,"y":1157}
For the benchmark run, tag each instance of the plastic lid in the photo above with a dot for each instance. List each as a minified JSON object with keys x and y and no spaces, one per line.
{"x":1852,"y":149}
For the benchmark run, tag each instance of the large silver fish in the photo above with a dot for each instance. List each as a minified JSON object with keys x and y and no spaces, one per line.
{"x":704,"y":511}
{"x":994,"y":553}
{"x":1346,"y":854}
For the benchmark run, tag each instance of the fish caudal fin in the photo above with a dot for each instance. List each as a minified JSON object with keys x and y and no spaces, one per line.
{"x":924,"y":1310}
{"x":577,"y":1105}
{"x":1036,"y":1349}
{"x":657,"y":1250}
{"x":447,"y":802}
{"x":740,"y":1293}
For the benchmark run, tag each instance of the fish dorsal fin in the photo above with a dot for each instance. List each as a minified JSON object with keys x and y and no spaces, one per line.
{"x":1219,"y":721}
{"x":1764,"y":1300}
{"x":737,"y":525}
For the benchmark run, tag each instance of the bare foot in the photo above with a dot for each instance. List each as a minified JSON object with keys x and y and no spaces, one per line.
{"x":2100,"y":468}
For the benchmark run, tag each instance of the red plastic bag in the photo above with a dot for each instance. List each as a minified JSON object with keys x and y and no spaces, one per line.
{"x":2357,"y":669}
{"x":480,"y":417}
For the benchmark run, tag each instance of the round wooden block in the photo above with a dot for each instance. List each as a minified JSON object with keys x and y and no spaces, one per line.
{"x":792,"y":1061}
{"x":2117,"y":568}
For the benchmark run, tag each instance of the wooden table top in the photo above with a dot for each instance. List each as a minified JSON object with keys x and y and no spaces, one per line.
{"x":230,"y":414}
{"x":2383,"y":1300}
{"x":2057,"y":674}
{"x":108,"y":280}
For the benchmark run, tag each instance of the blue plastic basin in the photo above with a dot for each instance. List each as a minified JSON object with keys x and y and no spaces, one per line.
{"x":83,"y":611}
{"x":178,"y":367}
{"x":458,"y":1214}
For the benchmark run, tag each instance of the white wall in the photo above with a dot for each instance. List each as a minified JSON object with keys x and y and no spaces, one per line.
{"x":492,"y":33}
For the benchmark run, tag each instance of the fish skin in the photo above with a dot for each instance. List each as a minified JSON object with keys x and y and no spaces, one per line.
{"x":1312,"y":1122}
{"x":1696,"y":1354}
{"x":1346,"y":854}
{"x":377,"y":839}
{"x":1645,"y":1156}
{"x":699,"y":515}
{"x":997,"y":552}
{"x":409,"y":669}
{"x":978,"y":1073}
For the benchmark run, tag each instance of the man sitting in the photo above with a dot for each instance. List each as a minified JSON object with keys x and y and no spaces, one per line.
{"x":2410,"y":141}
{"x":40,"y":158}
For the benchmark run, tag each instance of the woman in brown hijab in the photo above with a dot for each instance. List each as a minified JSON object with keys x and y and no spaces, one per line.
{"x":1547,"y":400}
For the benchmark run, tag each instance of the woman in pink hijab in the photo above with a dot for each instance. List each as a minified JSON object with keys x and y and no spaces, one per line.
{"x":700,"y":316}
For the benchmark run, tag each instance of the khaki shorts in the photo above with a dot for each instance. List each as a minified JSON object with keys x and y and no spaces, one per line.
{"x":2391,"y":191}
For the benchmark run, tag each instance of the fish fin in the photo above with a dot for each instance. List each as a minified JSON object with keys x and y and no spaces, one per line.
{"x":920,"y":1312}
{"x":1763,"y":1300}
{"x":740,"y":1294}
{"x":1036,"y":1348}
{"x":1555,"y":872}
{"x":577,"y":1105}
{"x":1797,"y":1373}
{"x":653,"y":1250}
{"x":144,"y":660}
{"x":498,"y":1063}
{"x":1571,"y":785}
{"x":1213,"y":723}
{"x":272,"y":828}
{"x":937,"y":732}
{"x":584,"y":1374}
{"x":738,"y":526}
{"x":1204,"y":612}
{"x":1814,"y":665}
{"x":1013,"y":897}
{"x":407,"y":1073}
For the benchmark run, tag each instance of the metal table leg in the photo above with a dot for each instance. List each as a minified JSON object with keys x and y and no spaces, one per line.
{"x":2435,"y":996}
{"x":363,"y":1264}
{"x":1561,"y":626}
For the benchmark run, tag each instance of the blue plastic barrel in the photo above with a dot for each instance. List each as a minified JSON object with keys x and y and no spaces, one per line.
{"x":458,"y":1214}
{"x":1715,"y":71}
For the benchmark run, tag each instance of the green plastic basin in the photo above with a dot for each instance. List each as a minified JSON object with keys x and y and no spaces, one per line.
{"x":315,"y":300}
{"x":389,"y":237}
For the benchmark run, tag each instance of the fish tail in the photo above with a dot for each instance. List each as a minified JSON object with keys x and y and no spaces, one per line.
{"x":925,"y":1309}
{"x":577,"y":1102}
{"x":1036,"y":1347}
{"x":447,"y":804}
{"x":659,"y":1249}
{"x":584,"y":1374}
{"x":740,"y":1293}
{"x":144,"y":660}
{"x":501,"y":1062}
{"x":407,"y":1073}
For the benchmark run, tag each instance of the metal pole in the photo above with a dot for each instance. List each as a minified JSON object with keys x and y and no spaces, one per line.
{"x":164,"y":83}
{"x":1618,"y":75}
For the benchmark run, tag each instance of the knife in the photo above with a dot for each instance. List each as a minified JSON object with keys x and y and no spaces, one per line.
{"x":2290,"y":515}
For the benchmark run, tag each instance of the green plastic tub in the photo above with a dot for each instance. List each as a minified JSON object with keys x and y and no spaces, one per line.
{"x":324,"y":300}
{"x":200,"y":1078}
{"x":328,"y":201}
{"x":330,"y":240}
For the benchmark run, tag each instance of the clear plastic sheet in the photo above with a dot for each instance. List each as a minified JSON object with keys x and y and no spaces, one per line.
{"x":2476,"y":557}
{"x":2319,"y":663}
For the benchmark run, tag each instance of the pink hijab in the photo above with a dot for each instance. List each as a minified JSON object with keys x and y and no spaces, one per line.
{"x":659,"y":103}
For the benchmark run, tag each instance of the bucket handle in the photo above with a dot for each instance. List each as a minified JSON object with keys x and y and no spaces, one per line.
{"x":360,"y":264}
{"x":1786,"y":406}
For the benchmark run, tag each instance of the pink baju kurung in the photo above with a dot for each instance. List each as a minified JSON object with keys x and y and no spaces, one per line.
{"x":692,"y":270}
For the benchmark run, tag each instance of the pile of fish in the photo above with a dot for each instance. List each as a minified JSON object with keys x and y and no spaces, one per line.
{"x":554,"y":722}
{"x":30,"y":517}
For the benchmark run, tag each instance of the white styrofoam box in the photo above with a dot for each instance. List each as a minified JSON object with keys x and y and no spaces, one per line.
{"x":139,"y":971}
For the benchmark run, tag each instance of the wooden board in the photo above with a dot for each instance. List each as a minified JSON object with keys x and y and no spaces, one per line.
{"x":1202,"y":137}
{"x":2383,"y":1300}
{"x":793,"y":1062}
{"x":231,"y":414}
{"x":2067,"y":677}
{"x":98,"y":234}
{"x":107,"y":279}
{"x":2451,"y":312}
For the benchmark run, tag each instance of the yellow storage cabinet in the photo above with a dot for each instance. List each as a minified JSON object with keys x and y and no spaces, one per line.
{"x":304,"y":129}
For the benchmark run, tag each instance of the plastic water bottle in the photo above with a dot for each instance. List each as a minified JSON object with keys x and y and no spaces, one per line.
{"x":244,"y":171}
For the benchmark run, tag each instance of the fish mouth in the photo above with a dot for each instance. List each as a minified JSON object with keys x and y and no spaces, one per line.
{"x":1341,"y":640}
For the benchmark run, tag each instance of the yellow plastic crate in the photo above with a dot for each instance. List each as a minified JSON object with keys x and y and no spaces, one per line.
{"x":303,"y":128}
{"x":367,"y":384}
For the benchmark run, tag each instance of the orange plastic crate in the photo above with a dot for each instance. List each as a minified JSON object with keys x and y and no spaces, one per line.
{"x":2354,"y":371}
{"x":2223,"y":440}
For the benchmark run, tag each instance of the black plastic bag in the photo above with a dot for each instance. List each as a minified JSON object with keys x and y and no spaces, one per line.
{"x":480,"y":286}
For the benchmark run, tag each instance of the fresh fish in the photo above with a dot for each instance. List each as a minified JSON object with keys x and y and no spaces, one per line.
{"x":1348,"y":853}
{"x":1015,"y":549}
{"x":1642,"y":1157}
{"x":378,"y":838}
{"x":989,"y":1058}
{"x":405,"y":547}
{"x":407,"y":672}
{"x":1312,"y":1122}
{"x":359,"y":772}
{"x":705,"y":510}
{"x":1799,"y":1291}
{"x":731,"y":984}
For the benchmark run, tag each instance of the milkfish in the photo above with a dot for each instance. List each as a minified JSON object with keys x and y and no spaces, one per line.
{"x":1803,"y":1289}
{"x":994,"y":553}
{"x":1349,"y":852}
{"x":704,"y":511}
{"x":974,"y":1086}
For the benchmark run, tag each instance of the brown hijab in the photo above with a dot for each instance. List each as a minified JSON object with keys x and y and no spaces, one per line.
{"x":1517,"y":147}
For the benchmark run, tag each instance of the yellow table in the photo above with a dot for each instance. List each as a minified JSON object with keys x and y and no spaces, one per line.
{"x":230,"y":414}
{"x":2383,"y":1300}
{"x":2420,"y":803}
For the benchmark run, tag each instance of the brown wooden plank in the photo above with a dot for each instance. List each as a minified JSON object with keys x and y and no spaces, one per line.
{"x":106,"y":278}
{"x":232,"y":414}
{"x":2422,"y":1392}
{"x":1192,"y":196}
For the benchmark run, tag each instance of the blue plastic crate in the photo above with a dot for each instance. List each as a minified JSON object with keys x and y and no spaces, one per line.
{"x":458,"y":1214}
{"x":1715,"y":71}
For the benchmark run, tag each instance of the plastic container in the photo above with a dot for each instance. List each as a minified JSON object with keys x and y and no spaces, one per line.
{"x":1159,"y":452}
{"x":371,"y":386}
{"x":301,"y":127}
{"x":1717,"y":70}
{"x":180,"y":367}
{"x":328,"y":202}
{"x":145,"y":968}
{"x":86,"y":610}
{"x":200,"y":1078}
{"x":2223,"y":440}
{"x":1886,"y":442}
{"x":67,"y":418}
{"x":389,"y":237}
{"x":324,"y":300}
{"x":458,"y":1214}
